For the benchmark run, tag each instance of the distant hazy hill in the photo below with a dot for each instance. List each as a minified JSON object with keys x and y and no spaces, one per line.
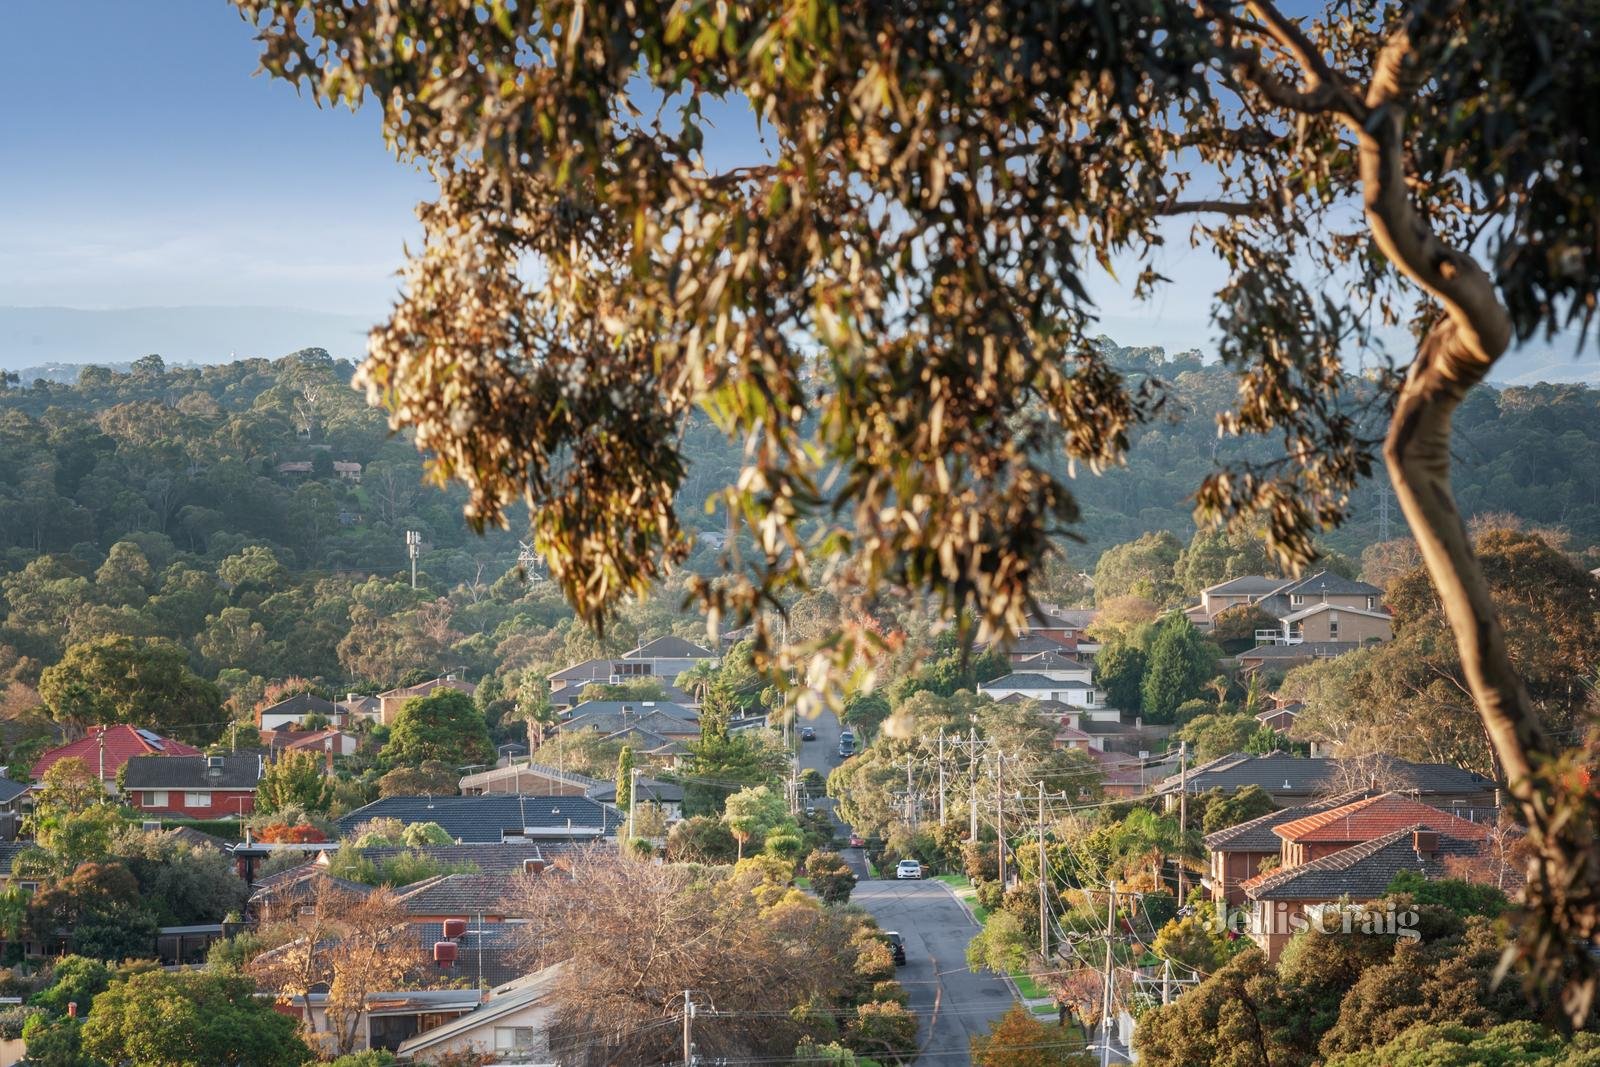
{"x":40,"y":336}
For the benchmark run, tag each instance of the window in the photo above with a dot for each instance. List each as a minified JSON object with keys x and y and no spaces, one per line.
{"x":155,"y":798}
{"x":1296,"y":599}
{"x":513,"y":1037}
{"x":201,"y":799}
{"x":1333,"y":626}
{"x":1091,"y":697}
{"x":1372,"y":603}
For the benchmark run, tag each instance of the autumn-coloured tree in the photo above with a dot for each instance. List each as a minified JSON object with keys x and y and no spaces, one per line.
{"x":766,"y":954}
{"x":890,"y":307}
{"x":353,"y":944}
{"x":1017,"y":1039}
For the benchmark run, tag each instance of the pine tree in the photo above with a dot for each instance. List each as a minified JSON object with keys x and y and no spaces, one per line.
{"x":1179,"y":665}
{"x":625,"y":777}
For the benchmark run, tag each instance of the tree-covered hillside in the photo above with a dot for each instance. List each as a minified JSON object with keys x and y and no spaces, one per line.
{"x":151,"y":506}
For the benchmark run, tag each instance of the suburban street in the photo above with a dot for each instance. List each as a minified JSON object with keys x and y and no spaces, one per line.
{"x":951,"y":1003}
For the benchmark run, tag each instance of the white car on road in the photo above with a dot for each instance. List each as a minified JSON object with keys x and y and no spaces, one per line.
{"x":908,"y":869}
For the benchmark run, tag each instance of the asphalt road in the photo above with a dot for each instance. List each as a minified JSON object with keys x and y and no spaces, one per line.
{"x":951,"y":1003}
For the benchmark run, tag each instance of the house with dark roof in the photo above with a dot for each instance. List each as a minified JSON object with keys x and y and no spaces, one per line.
{"x":486,"y":897}
{"x":197,"y":787}
{"x":1293,"y":780}
{"x":296,"y":710}
{"x":1283,"y":656}
{"x":106,"y":748}
{"x":666,"y":795}
{"x":664,"y":717}
{"x":500,"y":858}
{"x":660,"y":660}
{"x":282,"y":896}
{"x":1280,"y":718}
{"x":390,"y":702}
{"x":495,"y":817}
{"x":1284,"y":597}
{"x":1282,"y":901}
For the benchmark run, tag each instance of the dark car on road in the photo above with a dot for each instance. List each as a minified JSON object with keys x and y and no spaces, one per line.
{"x":807,"y":734}
{"x":897,"y":945}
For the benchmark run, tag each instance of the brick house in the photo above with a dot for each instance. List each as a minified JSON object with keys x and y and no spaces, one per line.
{"x":106,"y":748}
{"x":1283,"y":900}
{"x":194,"y":787}
{"x":390,"y":702}
{"x":1235,"y":853}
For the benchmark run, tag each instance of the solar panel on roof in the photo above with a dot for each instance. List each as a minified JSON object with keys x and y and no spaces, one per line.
{"x":155,"y":739}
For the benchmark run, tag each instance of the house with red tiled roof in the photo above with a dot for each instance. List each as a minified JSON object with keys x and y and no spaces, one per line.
{"x":1322,"y":833}
{"x":318,"y":742}
{"x":1353,"y":851}
{"x":1283,"y":901}
{"x":106,"y":748}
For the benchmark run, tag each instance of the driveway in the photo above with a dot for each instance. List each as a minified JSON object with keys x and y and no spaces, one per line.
{"x":951,"y":1003}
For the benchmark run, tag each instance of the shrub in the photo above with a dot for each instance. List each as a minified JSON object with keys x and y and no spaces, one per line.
{"x":14,"y":1018}
{"x":882,"y":1029}
{"x":831,"y":877}
{"x":990,"y":894}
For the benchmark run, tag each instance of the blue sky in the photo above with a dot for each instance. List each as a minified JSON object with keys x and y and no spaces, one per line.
{"x":146,"y":165}
{"x":150,"y":167}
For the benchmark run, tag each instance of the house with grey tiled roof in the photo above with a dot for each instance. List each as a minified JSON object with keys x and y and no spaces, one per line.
{"x":1298,"y":779}
{"x":660,"y":660}
{"x":486,"y":896}
{"x":487,"y":857}
{"x":664,"y":717}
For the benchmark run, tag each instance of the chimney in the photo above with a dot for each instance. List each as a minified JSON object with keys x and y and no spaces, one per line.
{"x":1426,"y":842}
{"x":72,"y":1009}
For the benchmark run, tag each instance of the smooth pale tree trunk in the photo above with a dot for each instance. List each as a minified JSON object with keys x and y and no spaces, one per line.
{"x":1456,"y":355}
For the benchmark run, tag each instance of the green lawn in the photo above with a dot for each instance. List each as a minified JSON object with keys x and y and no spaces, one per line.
{"x":954,"y":881}
{"x":1029,"y":989}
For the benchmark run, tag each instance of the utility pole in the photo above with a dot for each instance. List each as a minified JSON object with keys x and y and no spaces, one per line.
{"x":1183,"y":817}
{"x":941,"y":776}
{"x":1105,"y":1014}
{"x":633,"y":802}
{"x":1166,"y":981}
{"x":413,"y":549}
{"x":1044,"y":904}
{"x":1000,"y":815}
{"x":972,"y":790}
{"x":688,"y":1030}
{"x":911,"y":802}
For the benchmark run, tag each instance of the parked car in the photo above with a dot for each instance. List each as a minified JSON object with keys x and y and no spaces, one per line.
{"x":807,"y":734}
{"x":908,"y":869}
{"x":857,"y":841}
{"x":811,"y":811}
{"x":897,"y":946}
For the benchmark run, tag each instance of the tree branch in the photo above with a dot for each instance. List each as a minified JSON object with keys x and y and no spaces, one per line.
{"x":1217,"y":207}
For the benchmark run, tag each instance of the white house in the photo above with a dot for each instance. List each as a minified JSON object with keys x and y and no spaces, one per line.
{"x":513,"y":1025}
